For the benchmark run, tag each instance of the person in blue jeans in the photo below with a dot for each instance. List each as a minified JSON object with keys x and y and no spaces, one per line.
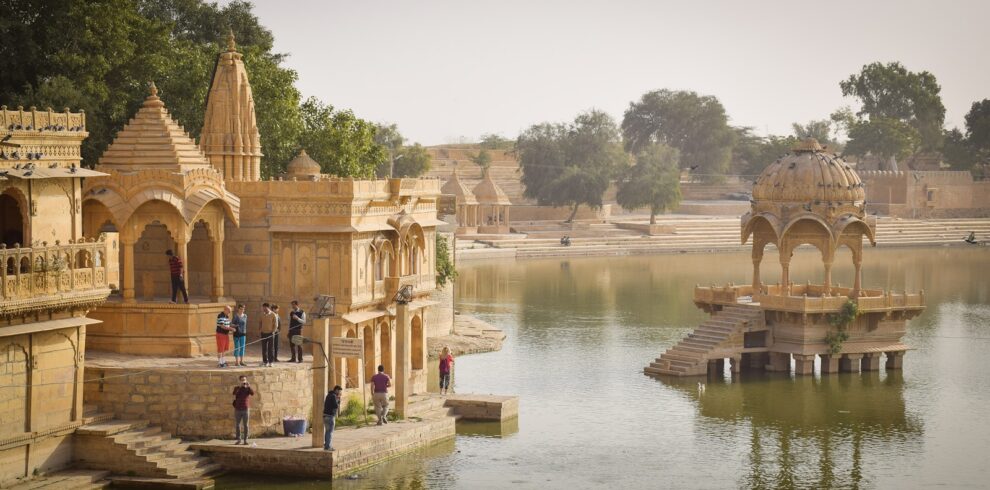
{"x":331,"y":406}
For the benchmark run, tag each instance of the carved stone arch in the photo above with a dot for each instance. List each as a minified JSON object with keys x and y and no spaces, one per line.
{"x":849,"y":224}
{"x":18,"y":196}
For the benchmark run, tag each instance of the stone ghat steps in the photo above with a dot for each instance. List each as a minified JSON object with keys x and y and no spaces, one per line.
{"x":67,"y":480}
{"x":427,"y":405}
{"x":134,"y":448}
{"x":689,"y":357}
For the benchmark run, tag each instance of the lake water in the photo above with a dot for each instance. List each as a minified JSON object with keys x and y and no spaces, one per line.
{"x":580,"y":332}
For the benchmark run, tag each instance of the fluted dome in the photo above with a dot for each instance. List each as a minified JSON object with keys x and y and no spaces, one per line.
{"x":303,"y":167}
{"x":809,"y":175}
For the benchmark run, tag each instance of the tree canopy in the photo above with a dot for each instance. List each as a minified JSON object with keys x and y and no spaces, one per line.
{"x":342,"y":143}
{"x":978,"y":129}
{"x":653,"y":181}
{"x":889,"y":91}
{"x":884,"y":137}
{"x":414,"y":162}
{"x":694,"y":124}
{"x":100,"y":55}
{"x":482,"y":159}
{"x":570,"y":164}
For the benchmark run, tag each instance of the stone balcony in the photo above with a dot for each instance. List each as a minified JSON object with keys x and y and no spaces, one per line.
{"x":420,"y":284}
{"x":808,"y":298}
{"x":58,"y":277}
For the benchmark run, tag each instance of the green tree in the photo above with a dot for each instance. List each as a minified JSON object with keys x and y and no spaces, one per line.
{"x":820,"y":129}
{"x":752,"y":153}
{"x":885,"y":138}
{"x":492,"y":141}
{"x":696,"y":125}
{"x":388,"y":136}
{"x":342,"y":143}
{"x":654,"y":181}
{"x":890,"y":91}
{"x":482,"y":159}
{"x":978,"y":130}
{"x":445,"y":264}
{"x":957,"y":151}
{"x":570,"y":164}
{"x":414,"y":162}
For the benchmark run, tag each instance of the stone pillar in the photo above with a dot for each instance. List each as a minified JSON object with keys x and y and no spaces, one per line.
{"x":507,"y":221}
{"x":830,"y":364}
{"x":737,"y":364}
{"x":857,"y":275}
{"x":218,"y":265}
{"x":127,"y":275}
{"x":756,"y":273}
{"x":804,"y":364}
{"x":895,"y":360}
{"x":321,"y":375}
{"x":180,"y":249}
{"x":77,"y":411}
{"x":871,"y":361}
{"x":785,"y":276}
{"x":828,"y":277}
{"x":779,"y":362}
{"x":851,"y":363}
{"x":403,"y":357}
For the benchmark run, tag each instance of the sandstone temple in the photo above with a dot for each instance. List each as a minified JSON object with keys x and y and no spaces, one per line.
{"x":86,"y":280}
{"x":808,"y":197}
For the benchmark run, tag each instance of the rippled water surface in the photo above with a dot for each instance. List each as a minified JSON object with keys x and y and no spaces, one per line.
{"x":580,"y":332}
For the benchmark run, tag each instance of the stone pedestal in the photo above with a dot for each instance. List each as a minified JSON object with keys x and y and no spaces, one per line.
{"x":804,"y":364}
{"x":830,"y":364}
{"x":851,"y":363}
{"x":779,"y":362}
{"x":871,"y":362}
{"x":895,"y":360}
{"x":155,"y":328}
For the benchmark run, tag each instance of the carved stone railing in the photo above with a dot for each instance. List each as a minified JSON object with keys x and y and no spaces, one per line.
{"x":810,"y":298}
{"x":59,"y":275}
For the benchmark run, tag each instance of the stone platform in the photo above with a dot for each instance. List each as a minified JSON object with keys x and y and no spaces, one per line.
{"x":191,"y":397}
{"x":354,"y":448}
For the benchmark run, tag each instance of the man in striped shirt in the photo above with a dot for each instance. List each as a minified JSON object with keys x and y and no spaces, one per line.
{"x":175,"y":270}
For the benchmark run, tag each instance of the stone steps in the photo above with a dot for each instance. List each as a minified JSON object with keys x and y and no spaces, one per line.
{"x":137,"y":449}
{"x":690,"y":355}
{"x":67,"y":480}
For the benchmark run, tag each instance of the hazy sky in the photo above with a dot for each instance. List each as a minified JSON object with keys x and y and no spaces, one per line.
{"x":443,"y":70}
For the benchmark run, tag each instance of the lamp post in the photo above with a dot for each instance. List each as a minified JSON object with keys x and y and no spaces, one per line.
{"x":391,"y":167}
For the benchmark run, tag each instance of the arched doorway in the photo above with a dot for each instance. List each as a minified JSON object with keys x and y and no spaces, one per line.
{"x":353,"y":372}
{"x":151,"y":274}
{"x":369,"y":352}
{"x":417,"y":342}
{"x":199,"y":264}
{"x":11,"y":221}
{"x":386,"y":347}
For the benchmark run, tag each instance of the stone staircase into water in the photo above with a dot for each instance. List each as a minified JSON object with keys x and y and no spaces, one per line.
{"x":718,"y":337}
{"x":139,"y":453}
{"x":708,"y":234}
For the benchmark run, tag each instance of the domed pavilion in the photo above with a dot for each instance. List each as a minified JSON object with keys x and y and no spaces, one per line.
{"x":303,"y":167}
{"x":465,"y":203}
{"x":807,"y":197}
{"x":493,"y":206}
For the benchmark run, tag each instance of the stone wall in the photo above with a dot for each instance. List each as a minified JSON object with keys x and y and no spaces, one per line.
{"x":924,"y":194}
{"x":197,"y":404}
{"x":36,"y":423}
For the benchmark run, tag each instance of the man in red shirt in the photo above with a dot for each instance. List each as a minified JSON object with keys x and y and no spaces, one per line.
{"x":175,"y":271}
{"x":242,"y":408}
{"x":381,"y":383}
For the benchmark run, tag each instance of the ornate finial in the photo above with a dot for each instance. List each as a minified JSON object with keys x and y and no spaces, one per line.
{"x":810,"y":145}
{"x":231,"y":46}
{"x":302,"y":152}
{"x":152,"y":89}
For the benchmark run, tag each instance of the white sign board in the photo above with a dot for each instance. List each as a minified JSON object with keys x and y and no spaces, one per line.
{"x":346,"y":347}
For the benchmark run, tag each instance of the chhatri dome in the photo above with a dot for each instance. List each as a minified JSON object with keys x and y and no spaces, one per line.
{"x":808,"y":197}
{"x":303,"y":167}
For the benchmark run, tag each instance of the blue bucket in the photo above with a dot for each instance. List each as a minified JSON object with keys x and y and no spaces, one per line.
{"x":294,"y":426}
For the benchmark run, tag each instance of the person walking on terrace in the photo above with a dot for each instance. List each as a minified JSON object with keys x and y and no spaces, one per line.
{"x":223,"y":336}
{"x":178,"y":276}
{"x":278,"y":330}
{"x":331,"y":407}
{"x":242,"y":409}
{"x":238,"y":325}
{"x":446,"y":365}
{"x":267,"y":326}
{"x":379,"y":396}
{"x":297,"y":318}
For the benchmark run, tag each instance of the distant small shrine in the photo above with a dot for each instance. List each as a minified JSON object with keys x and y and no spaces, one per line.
{"x":808,"y":197}
{"x":493,"y":206}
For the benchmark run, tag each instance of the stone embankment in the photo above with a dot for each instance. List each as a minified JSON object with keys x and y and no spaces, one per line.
{"x":470,"y":336}
{"x":693,"y":235}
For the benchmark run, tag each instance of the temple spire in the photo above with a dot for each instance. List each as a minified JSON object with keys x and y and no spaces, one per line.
{"x":231,"y":45}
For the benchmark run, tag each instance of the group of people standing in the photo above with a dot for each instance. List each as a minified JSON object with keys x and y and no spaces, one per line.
{"x":235,"y":322}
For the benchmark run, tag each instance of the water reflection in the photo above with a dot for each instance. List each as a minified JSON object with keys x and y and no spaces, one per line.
{"x":807,"y":431}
